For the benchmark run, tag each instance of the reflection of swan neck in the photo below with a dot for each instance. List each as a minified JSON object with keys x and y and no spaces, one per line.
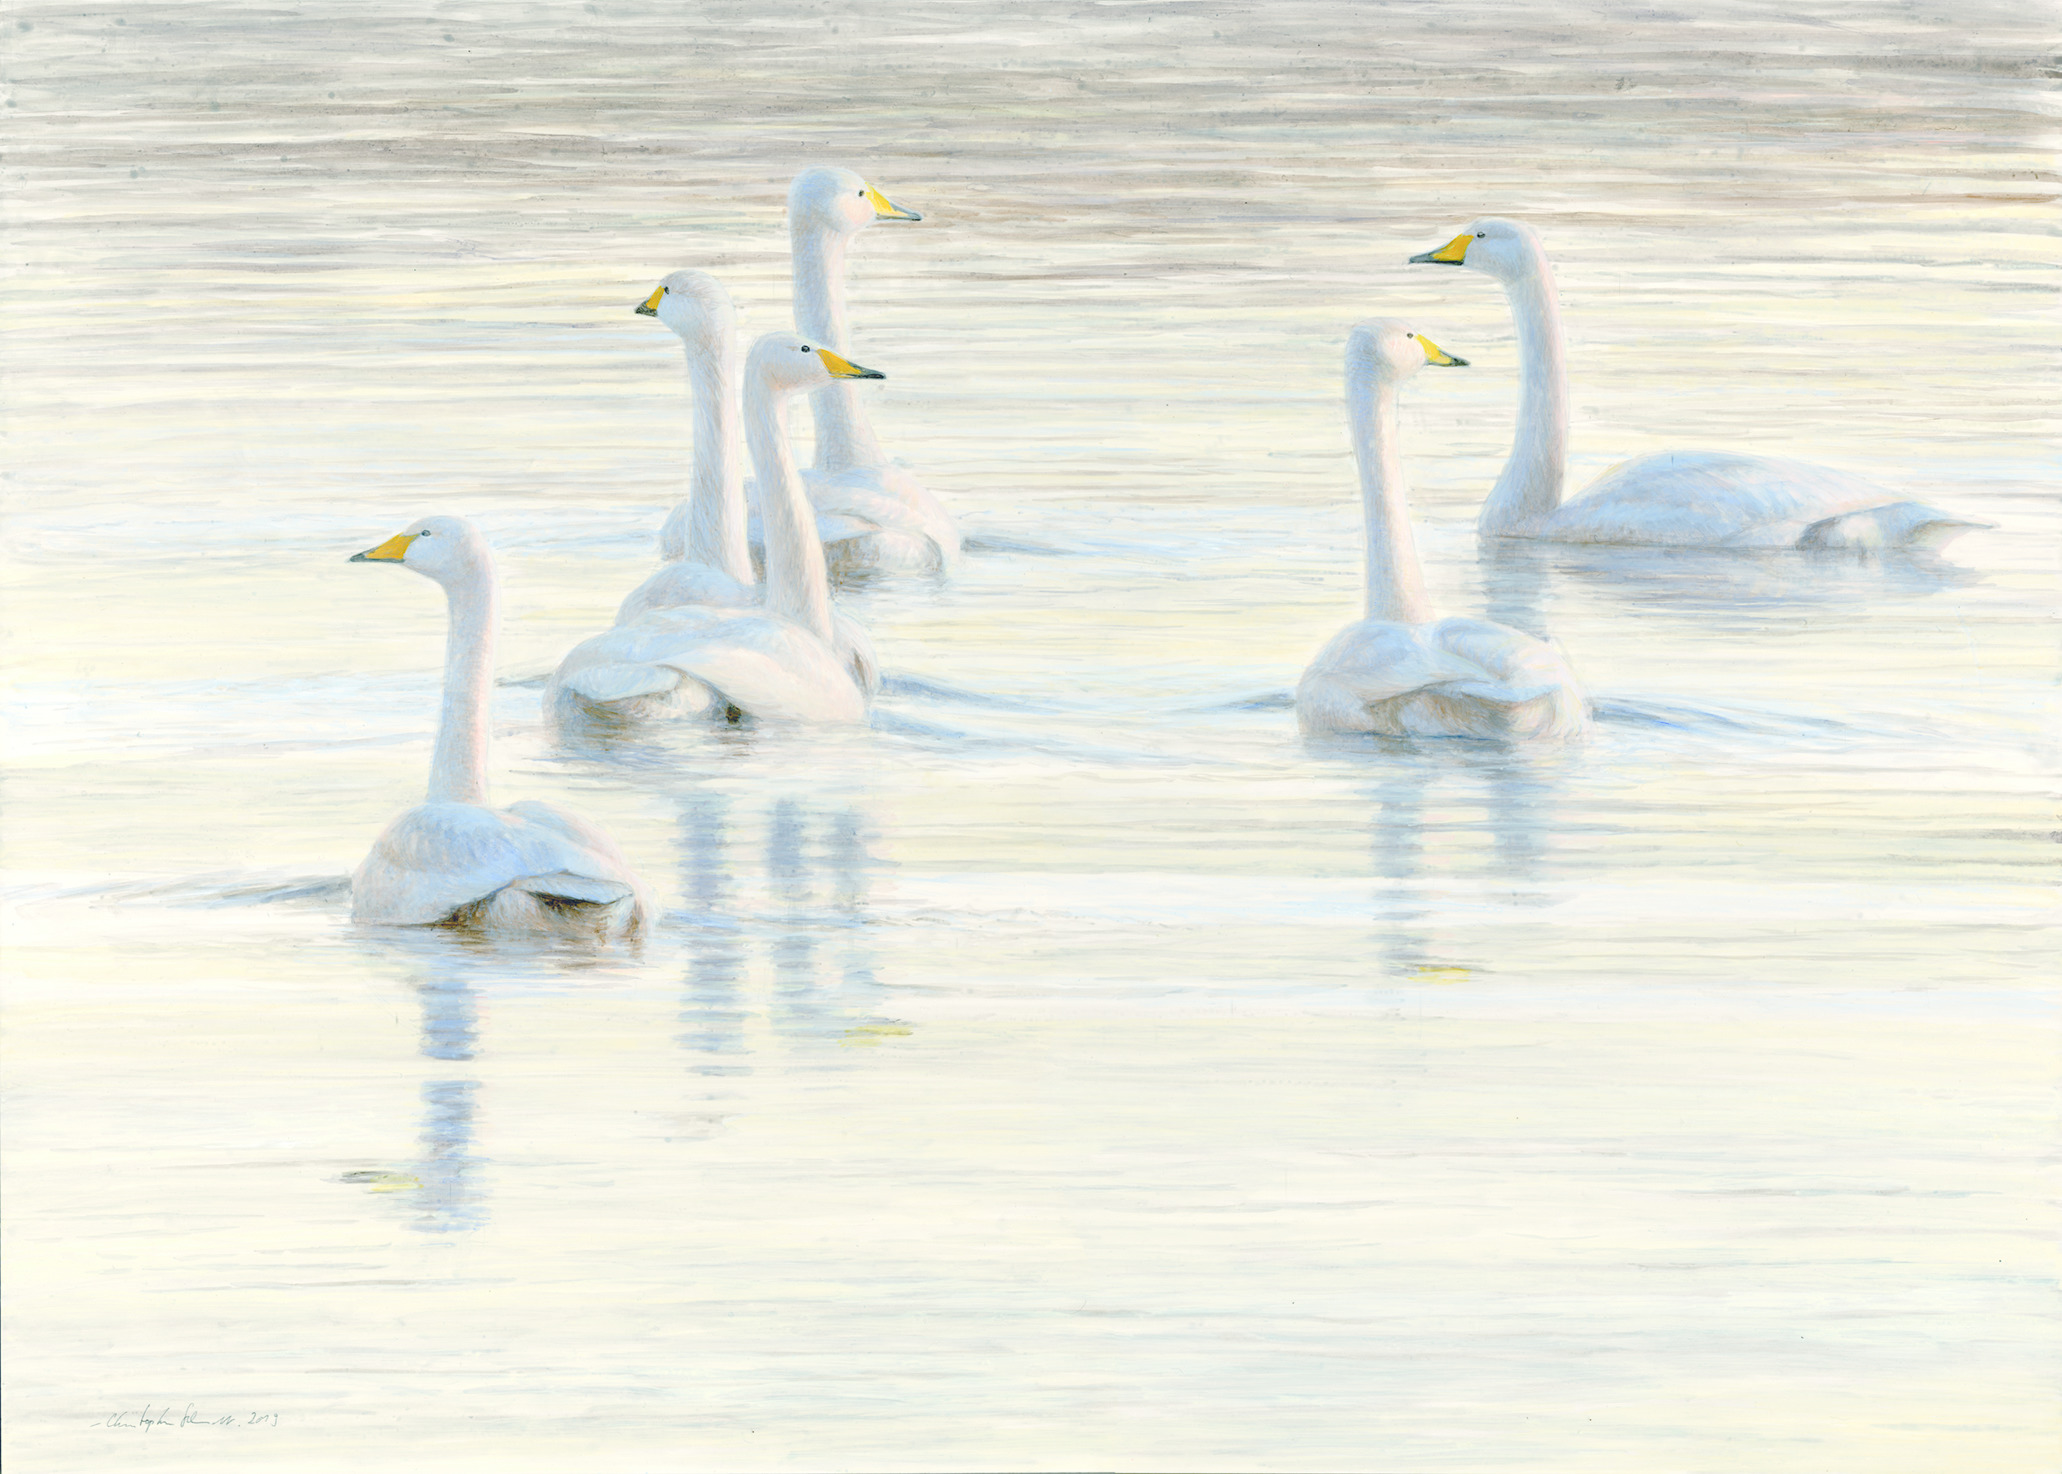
{"x":458,"y":770}
{"x":716,"y":492}
{"x":1530,"y":487}
{"x":1395,"y":584}
{"x":797,"y":587}
{"x":844,"y":436}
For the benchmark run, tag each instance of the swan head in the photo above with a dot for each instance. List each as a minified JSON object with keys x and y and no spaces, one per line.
{"x":839,"y":200}
{"x":695,"y":305}
{"x":1391,"y":350}
{"x":1504,"y":249}
{"x":447,"y":549}
{"x":786,"y":364}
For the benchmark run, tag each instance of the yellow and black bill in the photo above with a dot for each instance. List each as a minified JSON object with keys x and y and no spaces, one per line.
{"x":393,"y":550}
{"x":1453,"y":253}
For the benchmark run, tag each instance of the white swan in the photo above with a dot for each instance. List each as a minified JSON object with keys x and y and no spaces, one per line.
{"x":704,"y":536}
{"x":877,"y":515}
{"x":703,"y":540}
{"x":1400,"y":672}
{"x":776,"y":662}
{"x":1688,"y":499}
{"x":529,"y":867}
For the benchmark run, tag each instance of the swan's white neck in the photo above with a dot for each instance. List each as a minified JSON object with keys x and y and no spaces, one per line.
{"x":797,"y":585}
{"x":1395,"y":583}
{"x":844,"y":436}
{"x":1529,"y":490}
{"x":458,"y":768}
{"x":716,"y":490}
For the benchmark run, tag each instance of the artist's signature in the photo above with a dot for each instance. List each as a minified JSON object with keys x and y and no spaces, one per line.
{"x":189,"y":1416}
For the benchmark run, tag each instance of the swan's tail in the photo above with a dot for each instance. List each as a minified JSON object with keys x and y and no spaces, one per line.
{"x":1898,"y":525}
{"x":561,"y":902}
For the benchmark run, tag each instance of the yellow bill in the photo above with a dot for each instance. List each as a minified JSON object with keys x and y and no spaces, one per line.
{"x":1436,"y":355}
{"x":844,"y":368}
{"x":1453,"y":253}
{"x":649,"y":307}
{"x":886,"y":209}
{"x":393,"y":550}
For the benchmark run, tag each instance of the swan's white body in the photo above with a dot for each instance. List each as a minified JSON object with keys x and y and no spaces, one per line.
{"x":875,"y":514}
{"x":1685,"y":499}
{"x":1401,"y":672}
{"x":529,"y":867}
{"x":704,"y":537}
{"x":777,"y":662}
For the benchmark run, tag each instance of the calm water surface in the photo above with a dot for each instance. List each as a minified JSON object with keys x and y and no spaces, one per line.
{"x":1075,"y":1068}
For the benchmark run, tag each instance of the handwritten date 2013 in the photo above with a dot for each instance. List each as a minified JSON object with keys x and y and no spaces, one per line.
{"x":188,"y":1417}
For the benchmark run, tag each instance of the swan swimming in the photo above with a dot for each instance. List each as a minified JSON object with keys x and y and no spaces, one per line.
{"x":777,"y":661}
{"x":1401,"y":672}
{"x":876,"y":514}
{"x":1685,"y":499}
{"x":529,"y":867}
{"x":704,"y":537}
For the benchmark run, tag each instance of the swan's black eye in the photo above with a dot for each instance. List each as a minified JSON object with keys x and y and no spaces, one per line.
{"x":424,"y":533}
{"x":861,"y":193}
{"x":1410,"y":335}
{"x":1481,"y":235}
{"x":807,"y":349}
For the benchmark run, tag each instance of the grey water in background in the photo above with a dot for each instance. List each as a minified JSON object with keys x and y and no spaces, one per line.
{"x":1075,"y":1068}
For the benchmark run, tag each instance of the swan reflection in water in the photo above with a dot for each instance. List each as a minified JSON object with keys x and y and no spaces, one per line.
{"x":810,"y":922}
{"x":1706,"y":582}
{"x":1424,"y":795}
{"x":443,"y":1186}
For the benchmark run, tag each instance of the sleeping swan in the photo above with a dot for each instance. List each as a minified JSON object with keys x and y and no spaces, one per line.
{"x":704,"y":537}
{"x":876,"y":514}
{"x":777,"y":661}
{"x":1400,"y":672}
{"x":529,"y":867}
{"x":1682,"y":499}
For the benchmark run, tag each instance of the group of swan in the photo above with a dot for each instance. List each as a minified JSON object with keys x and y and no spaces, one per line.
{"x":1401,"y":673}
{"x":702,"y":636}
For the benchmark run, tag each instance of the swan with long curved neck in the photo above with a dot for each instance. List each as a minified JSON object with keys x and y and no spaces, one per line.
{"x":705,"y":535}
{"x":1689,"y":499}
{"x":531,"y":867}
{"x":778,"y":662}
{"x":1401,"y":671}
{"x":703,"y":540}
{"x":876,"y":514}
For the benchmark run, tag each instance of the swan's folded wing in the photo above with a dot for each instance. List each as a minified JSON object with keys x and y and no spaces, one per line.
{"x":1377,"y":660}
{"x":773,"y":669}
{"x":776,"y":671}
{"x":572,"y":845}
{"x":608,"y":681}
{"x":1710,"y":499}
{"x":1498,"y":693}
{"x":831,"y":527}
{"x":630,"y":660}
{"x":438,"y":857}
{"x":890,"y":498}
{"x":685,"y":583}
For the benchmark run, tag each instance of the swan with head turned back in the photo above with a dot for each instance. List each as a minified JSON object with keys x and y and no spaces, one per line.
{"x":1402,"y":672}
{"x":704,"y":537}
{"x":775,"y":662}
{"x":528,"y":868}
{"x":875,"y":514}
{"x":1683,"y":499}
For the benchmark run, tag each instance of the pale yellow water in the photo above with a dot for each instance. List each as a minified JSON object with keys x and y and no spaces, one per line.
{"x":1074,"y":1069}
